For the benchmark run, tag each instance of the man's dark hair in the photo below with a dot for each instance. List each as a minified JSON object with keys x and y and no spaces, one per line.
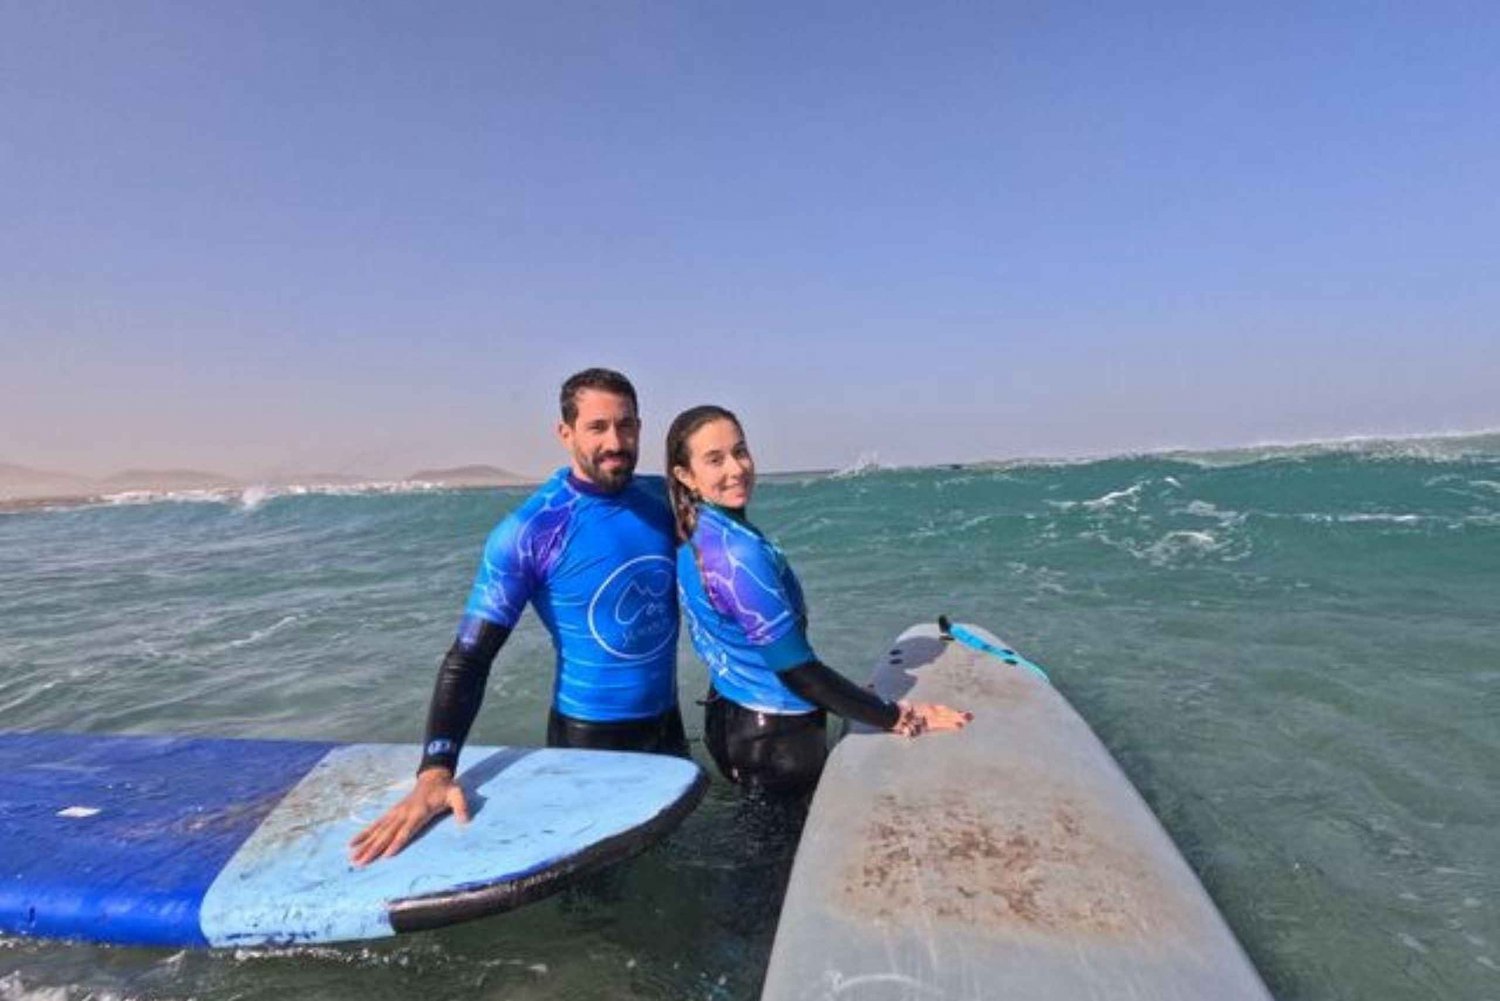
{"x":606,"y":379}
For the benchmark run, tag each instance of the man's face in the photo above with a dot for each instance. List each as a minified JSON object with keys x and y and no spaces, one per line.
{"x":604,"y":440}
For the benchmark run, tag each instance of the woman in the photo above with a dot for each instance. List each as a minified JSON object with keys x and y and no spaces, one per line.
{"x":769,"y":695}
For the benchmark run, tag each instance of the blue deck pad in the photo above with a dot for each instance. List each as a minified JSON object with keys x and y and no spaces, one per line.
{"x":534,"y":809}
{"x":128,"y":815}
{"x":970,"y":636}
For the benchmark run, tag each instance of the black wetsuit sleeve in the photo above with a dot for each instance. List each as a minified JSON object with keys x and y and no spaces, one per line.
{"x":828,"y":689}
{"x":456,"y":697}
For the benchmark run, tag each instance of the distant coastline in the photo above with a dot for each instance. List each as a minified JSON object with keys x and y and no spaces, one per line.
{"x":23,"y":488}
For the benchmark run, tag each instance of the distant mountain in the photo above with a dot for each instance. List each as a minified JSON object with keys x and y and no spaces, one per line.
{"x":325,"y":479}
{"x":23,"y":482}
{"x":167,"y":479}
{"x":20,"y":483}
{"x":471,"y":476}
{"x":283,"y":478}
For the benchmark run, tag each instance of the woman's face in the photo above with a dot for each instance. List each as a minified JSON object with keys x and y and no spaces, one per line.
{"x":719,"y":469}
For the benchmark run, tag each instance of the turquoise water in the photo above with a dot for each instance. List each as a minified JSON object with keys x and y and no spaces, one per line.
{"x":1293,"y":653}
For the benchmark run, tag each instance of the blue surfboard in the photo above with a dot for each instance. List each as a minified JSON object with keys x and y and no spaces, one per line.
{"x":174,"y":841}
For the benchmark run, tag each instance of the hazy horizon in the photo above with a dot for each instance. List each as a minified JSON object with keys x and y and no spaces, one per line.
{"x":371,"y":239}
{"x":251,"y":477}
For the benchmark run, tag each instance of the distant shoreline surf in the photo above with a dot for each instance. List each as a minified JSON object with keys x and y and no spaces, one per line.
{"x":1440,"y":447}
{"x":247,"y":497}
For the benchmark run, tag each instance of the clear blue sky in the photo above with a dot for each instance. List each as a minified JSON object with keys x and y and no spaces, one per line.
{"x":365,"y":236}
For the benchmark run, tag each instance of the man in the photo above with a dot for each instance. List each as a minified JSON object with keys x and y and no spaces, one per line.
{"x":593,"y":551}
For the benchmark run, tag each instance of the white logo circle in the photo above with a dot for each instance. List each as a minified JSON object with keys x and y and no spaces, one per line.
{"x":632,"y":605}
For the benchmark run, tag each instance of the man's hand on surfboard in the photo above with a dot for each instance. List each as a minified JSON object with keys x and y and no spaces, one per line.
{"x":918,"y":718}
{"x":434,"y":795}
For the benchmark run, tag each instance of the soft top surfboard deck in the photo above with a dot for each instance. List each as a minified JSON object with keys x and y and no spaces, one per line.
{"x":1010,"y":860}
{"x":172,"y":841}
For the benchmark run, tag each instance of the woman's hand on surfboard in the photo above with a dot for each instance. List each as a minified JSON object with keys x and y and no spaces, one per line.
{"x":434,"y":795}
{"x":918,"y":718}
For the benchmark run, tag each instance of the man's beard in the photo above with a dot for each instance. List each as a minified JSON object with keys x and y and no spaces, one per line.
{"x":611,"y":478}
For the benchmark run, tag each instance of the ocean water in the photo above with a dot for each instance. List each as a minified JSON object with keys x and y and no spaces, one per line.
{"x":1294,"y":653}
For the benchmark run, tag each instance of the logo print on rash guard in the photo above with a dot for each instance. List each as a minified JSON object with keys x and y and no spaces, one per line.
{"x":631,"y":613}
{"x":761,"y":607}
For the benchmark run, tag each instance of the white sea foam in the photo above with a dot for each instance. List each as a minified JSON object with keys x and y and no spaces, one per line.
{"x":868,"y":462}
{"x":1358,"y":518}
{"x":260,"y":634}
{"x":13,"y":988}
{"x":959,"y":479}
{"x":408,"y":954}
{"x":1177,"y":543}
{"x":1393,"y":519}
{"x":1130,"y":496}
{"x":245,"y":498}
{"x":1482,"y":490}
{"x":250,"y":498}
{"x":1458,"y":446}
{"x":253,"y":497}
{"x":1207,"y":509}
{"x":361,"y":956}
{"x":1173,"y":547}
{"x":132,"y":497}
{"x":938,"y":529}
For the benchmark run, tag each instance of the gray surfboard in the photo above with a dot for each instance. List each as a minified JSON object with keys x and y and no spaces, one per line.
{"x":1010,"y":860}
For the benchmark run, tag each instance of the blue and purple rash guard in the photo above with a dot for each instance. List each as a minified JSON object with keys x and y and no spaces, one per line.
{"x":599,"y":570}
{"x":745,"y":612}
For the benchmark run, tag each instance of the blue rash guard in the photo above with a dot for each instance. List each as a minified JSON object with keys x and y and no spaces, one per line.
{"x":598,"y":569}
{"x":745,"y":612}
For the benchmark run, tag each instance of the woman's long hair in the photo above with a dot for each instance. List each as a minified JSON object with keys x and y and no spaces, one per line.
{"x":684,"y":426}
